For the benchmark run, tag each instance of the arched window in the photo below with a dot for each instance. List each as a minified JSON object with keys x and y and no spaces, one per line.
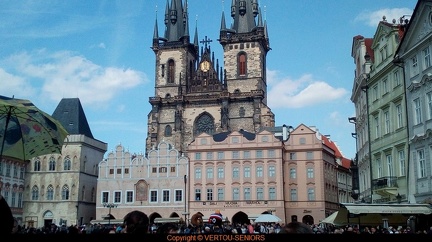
{"x":67,"y":164}
{"x":168,"y":131}
{"x":35,"y":193}
{"x":50,"y":193}
{"x":171,"y":71}
{"x":65,"y":192}
{"x":36,"y":165}
{"x":52,"y":164}
{"x":204,"y":124}
{"x":242,"y":64}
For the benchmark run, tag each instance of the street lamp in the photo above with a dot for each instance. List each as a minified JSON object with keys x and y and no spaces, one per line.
{"x":109,"y":206}
{"x":185,"y":200}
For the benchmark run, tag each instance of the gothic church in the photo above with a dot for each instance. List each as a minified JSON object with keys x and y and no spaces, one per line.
{"x":194,"y":93}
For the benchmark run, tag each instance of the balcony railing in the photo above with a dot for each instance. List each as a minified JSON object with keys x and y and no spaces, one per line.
{"x":385,"y":182}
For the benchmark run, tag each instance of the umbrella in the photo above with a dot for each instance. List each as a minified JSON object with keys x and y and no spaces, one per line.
{"x":26,"y":131}
{"x":268,"y":218}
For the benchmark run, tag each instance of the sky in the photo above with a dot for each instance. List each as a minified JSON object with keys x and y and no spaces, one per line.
{"x":99,"y":51}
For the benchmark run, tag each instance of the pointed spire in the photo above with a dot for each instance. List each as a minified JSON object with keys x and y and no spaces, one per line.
{"x":244,"y":13}
{"x":196,"y":34}
{"x":155,"y":32}
{"x":223,"y":24}
{"x":260,"y":21}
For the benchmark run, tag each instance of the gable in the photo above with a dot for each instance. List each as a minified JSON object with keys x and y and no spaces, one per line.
{"x":419,"y":26}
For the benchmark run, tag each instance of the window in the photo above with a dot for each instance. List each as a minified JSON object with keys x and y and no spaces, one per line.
{"x":236,"y":172}
{"x":15,"y":171}
{"x":242,"y":64}
{"x":377,"y":127}
{"x":8,"y":169}
{"x":387,"y":122}
{"x":390,"y":169}
{"x":247,"y":193}
{"x":235,"y":140}
{"x":271,"y":153}
{"x":302,"y":140}
{"x":204,"y":124}
{"x":396,"y":79}
{"x":399,"y":115}
{"x":247,"y":172}
{"x":20,"y":200}
{"x":235,"y":154}
{"x":421,"y":165}
{"x":13,"y":201}
{"x":35,"y":193}
{"x":236,"y":193}
{"x":311,"y":194}
{"x":221,"y":194}
{"x":272,"y":193}
{"x":260,"y":193}
{"x":153,"y":196}
{"x":383,"y":53}
{"x":209,"y":172}
{"x":67,"y":164}
{"x":429,"y":104}
{"x":168,"y":131}
{"x":385,"y":86}
{"x":220,"y":172}
{"x":129,"y":196}
{"x":293,"y":195}
{"x":171,"y":71}
{"x":209,"y":194}
{"x":197,"y":173}
{"x":117,"y":197}
{"x":50,"y":193}
{"x":309,"y":155}
{"x":178,"y":195}
{"x":154,"y":170}
{"x":417,"y":111}
{"x":427,"y":59}
{"x":162,"y":170}
{"x":310,"y":173}
{"x":272,"y":171}
{"x":220,"y":155}
{"x":375,"y":93}
{"x":119,"y":171}
{"x":379,"y":167}
{"x":126,"y":170}
{"x":246,"y":154}
{"x":401,"y":155}
{"x":414,"y":66}
{"x":293,"y":173}
{"x":265,"y":139}
{"x":292,"y":156}
{"x":105,"y":197}
{"x":259,"y":154}
{"x":198,"y":194}
{"x":52,"y":164}
{"x":165,"y":196}
{"x":209,"y":155}
{"x":198,"y":156}
{"x":65,"y":192}
{"x":259,"y":171}
{"x":37,"y":165}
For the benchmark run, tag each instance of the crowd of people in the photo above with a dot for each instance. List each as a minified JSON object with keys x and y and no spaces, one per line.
{"x":137,"y":222}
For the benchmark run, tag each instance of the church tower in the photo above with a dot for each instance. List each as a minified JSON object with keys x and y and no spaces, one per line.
{"x":193,"y":93}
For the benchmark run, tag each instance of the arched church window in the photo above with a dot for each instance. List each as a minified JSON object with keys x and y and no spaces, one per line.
{"x":242,"y":64}
{"x":204,"y":123}
{"x":171,"y":72}
{"x":168,"y":131}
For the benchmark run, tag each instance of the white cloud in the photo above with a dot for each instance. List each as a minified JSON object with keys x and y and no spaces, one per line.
{"x":95,"y":85}
{"x":372,"y":18}
{"x":300,"y":93}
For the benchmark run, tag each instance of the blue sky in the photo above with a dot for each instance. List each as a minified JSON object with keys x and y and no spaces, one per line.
{"x":99,"y":51}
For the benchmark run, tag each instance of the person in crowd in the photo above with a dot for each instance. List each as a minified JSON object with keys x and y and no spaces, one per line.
{"x":136,"y":222}
{"x":6,"y":219}
{"x":296,"y":228}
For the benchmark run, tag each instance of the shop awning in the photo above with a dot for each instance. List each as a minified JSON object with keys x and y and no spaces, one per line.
{"x":388,"y":208}
{"x":167,"y":220}
{"x":107,"y":221}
